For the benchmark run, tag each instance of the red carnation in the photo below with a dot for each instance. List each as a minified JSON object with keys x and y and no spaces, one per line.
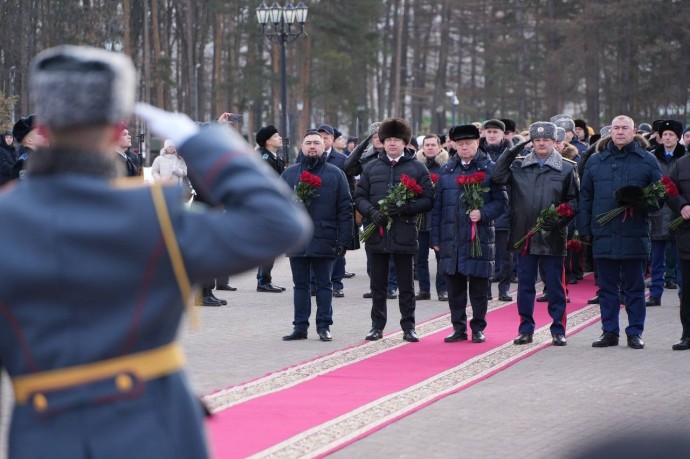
{"x":564,"y":210}
{"x":477,"y":177}
{"x":461,"y":180}
{"x":574,"y":245}
{"x":670,"y":186}
{"x":434,"y":178}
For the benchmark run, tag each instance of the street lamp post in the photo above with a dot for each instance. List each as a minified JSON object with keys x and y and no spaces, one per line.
{"x":282,"y":18}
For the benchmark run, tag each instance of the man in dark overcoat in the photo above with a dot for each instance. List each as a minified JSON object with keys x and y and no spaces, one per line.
{"x":455,"y":223}
{"x":400,"y":241}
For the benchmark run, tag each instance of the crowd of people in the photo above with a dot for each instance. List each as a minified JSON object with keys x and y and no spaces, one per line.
{"x":561,"y":164}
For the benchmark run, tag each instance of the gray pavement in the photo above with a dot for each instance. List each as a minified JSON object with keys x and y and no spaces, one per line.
{"x":547,"y":405}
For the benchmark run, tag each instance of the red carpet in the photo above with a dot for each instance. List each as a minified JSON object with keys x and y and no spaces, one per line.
{"x":252,"y":426}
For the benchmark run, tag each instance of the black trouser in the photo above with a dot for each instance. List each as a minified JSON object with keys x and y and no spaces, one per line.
{"x":504,"y":262}
{"x":263,"y":276}
{"x":379,"y":288}
{"x":457,"y":299}
{"x":685,"y":297}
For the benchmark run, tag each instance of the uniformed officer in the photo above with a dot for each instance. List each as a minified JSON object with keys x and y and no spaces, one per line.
{"x":96,"y":370}
{"x":538,"y":180}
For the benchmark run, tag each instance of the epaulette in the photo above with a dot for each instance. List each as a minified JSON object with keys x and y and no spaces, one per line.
{"x":266,"y":156}
{"x":569,"y":160}
{"x":129,"y":182}
{"x":519,"y":157}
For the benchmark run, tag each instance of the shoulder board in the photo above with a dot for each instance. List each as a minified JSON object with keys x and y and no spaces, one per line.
{"x":266,"y":156}
{"x":519,"y":157}
{"x":569,"y":160}
{"x":129,"y":183}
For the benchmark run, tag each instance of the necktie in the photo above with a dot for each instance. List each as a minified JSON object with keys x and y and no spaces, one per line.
{"x":393,"y":162}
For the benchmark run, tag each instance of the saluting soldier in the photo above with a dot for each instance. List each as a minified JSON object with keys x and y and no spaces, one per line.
{"x":96,"y":371}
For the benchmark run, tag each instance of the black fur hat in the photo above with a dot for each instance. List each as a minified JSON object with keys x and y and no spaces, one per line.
{"x":395,"y":127}
{"x":671,"y":125}
{"x":22,"y":127}
{"x":509,"y":124}
{"x":264,"y":134}
{"x":464,"y":131}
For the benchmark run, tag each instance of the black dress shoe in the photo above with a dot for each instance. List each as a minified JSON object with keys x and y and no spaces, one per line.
{"x":338,"y":293}
{"x":325,"y":335}
{"x":221,"y":301}
{"x":653,"y":301}
{"x":443,"y":296}
{"x":635,"y":342}
{"x":523,"y":338}
{"x":489,"y":297}
{"x":543,"y":299}
{"x":312,"y":292}
{"x":478,"y":336}
{"x":559,"y":340}
{"x":456,"y":336}
{"x":513,"y":280}
{"x":374,"y":334}
{"x":278,"y":286}
{"x":606,"y":339}
{"x":410,"y":336}
{"x":505,"y":297}
{"x":226,"y":287}
{"x":594,"y":300}
{"x":423,"y":296}
{"x":579,"y":277}
{"x":348,"y":275}
{"x":206,"y":301}
{"x":682,"y":345}
{"x":268,"y":288}
{"x":295,"y":335}
{"x":367,"y":295}
{"x":393,"y":294}
{"x":572,"y":280}
{"x":671,"y":285}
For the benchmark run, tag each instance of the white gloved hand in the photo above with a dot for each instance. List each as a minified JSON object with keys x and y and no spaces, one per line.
{"x":177,"y":127}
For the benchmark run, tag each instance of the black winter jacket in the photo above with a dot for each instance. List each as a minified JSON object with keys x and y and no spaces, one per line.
{"x":377,"y":178}
{"x":680,"y":174}
{"x":533,"y":189}
{"x":662,"y":217}
{"x":330,"y":210}
{"x":7,"y":160}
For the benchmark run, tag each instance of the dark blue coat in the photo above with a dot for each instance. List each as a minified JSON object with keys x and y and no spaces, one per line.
{"x":69,"y":232}
{"x":451,"y":224}
{"x":606,"y":172}
{"x":331,"y":211}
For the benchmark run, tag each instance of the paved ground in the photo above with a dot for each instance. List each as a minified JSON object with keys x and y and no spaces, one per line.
{"x":545,"y":406}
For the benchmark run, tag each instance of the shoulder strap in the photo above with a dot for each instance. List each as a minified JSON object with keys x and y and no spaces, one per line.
{"x":174,"y":251}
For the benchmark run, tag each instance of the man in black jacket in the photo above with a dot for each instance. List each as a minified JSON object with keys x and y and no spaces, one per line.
{"x":7,"y":156}
{"x":400,"y":240}
{"x":269,"y":142}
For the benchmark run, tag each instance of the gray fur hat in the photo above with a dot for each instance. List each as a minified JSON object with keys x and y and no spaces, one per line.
{"x":79,"y":85}
{"x":606,"y":130}
{"x":566,"y":123}
{"x":374,"y":127}
{"x":560,"y":134}
{"x":542,"y":130}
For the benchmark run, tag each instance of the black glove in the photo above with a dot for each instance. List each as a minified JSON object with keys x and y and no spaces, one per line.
{"x":518,"y":148}
{"x":630,"y":195}
{"x":399,"y":210}
{"x":378,"y":217}
{"x":549,"y":224}
{"x":340,"y":251}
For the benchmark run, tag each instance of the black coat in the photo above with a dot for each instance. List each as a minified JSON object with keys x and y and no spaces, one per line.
{"x":330,"y":210}
{"x":533,"y":189}
{"x":680,"y":174}
{"x":434,"y":166}
{"x":502,"y":223}
{"x":275,"y":162}
{"x":375,"y":181}
{"x":22,"y":154}
{"x":662,"y":217}
{"x":7,"y":160}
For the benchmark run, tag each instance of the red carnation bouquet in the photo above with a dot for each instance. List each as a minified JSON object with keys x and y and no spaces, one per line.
{"x":550,"y":213}
{"x":652,"y":194}
{"x":306,"y":188}
{"x":434,"y":178}
{"x":672,"y":192}
{"x":400,"y":194}
{"x":475,"y":200}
